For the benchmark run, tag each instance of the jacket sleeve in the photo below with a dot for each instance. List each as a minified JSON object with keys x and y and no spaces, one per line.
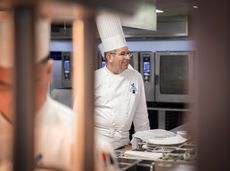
{"x":141,"y":121}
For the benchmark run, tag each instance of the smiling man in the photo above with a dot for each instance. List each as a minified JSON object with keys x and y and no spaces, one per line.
{"x":119,"y":90}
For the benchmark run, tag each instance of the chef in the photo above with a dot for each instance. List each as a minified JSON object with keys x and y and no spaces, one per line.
{"x":119,"y":90}
{"x":53,"y":121}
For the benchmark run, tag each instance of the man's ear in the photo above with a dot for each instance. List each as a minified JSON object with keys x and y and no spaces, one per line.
{"x":109,"y":58}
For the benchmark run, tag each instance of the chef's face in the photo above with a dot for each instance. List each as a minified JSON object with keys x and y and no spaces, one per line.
{"x":118,"y":60}
{"x":42,"y":79}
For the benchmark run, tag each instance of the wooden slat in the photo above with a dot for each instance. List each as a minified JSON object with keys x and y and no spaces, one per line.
{"x":83,"y":78}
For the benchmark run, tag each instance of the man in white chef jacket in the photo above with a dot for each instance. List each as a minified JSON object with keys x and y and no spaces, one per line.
{"x":53,"y":121}
{"x":119,"y":90}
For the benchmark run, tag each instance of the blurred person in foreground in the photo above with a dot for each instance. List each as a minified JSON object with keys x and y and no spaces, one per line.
{"x":53,"y":121}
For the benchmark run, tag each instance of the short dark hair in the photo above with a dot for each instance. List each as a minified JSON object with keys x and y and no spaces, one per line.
{"x":105,"y":53}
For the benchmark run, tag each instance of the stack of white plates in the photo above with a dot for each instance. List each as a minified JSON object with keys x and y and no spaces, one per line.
{"x":174,"y":140}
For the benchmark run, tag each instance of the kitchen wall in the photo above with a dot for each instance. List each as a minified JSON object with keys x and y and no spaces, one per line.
{"x":160,"y":45}
{"x":61,"y":45}
{"x":153,"y":45}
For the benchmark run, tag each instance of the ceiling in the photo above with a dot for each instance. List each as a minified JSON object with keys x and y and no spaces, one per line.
{"x":170,"y":7}
{"x":174,"y":10}
{"x":173,"y":7}
{"x":173,"y":22}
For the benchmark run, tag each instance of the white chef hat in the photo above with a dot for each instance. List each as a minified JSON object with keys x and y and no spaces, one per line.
{"x":42,"y":35}
{"x":110,"y":31}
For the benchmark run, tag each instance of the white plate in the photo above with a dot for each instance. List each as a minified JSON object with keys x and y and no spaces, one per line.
{"x":175,"y":140}
{"x":142,"y":155}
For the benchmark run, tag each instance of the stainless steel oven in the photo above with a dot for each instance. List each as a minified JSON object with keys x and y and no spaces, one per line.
{"x":147,"y":72}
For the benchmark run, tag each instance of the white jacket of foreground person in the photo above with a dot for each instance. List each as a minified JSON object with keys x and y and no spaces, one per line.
{"x":53,"y":140}
{"x":119,"y":101}
{"x":105,"y":159}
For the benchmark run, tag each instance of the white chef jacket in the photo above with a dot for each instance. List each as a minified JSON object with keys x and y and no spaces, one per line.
{"x":119,"y":101}
{"x":54,"y":136}
{"x":105,"y":159}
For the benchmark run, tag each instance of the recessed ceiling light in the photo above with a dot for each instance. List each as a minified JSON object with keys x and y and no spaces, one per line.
{"x":194,"y":6}
{"x":159,"y":11}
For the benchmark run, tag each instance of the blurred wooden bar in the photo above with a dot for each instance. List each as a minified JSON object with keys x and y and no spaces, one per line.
{"x":24,"y":22}
{"x":84,"y":61}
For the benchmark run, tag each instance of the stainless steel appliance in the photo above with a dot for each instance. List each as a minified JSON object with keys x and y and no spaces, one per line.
{"x":134,"y":60}
{"x":62,"y":70}
{"x":173,"y":76}
{"x":66,"y":69}
{"x":147,"y":72}
{"x":61,"y":84}
{"x":101,"y":61}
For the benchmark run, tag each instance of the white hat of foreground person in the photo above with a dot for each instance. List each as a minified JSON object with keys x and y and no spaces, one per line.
{"x":110,"y":31}
{"x":42,"y":35}
{"x":105,"y":158}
